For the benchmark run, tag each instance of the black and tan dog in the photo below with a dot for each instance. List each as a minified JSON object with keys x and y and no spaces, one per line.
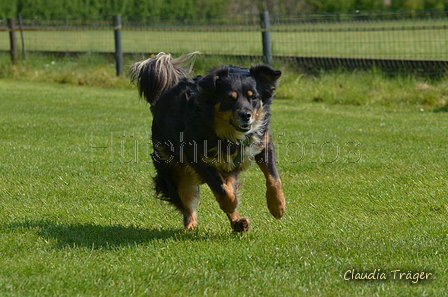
{"x":208,"y":129}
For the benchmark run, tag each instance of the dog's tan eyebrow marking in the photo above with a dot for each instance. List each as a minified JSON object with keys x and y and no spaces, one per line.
{"x":250,"y":93}
{"x":234,"y":95}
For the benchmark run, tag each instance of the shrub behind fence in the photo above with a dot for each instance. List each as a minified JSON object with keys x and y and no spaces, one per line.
{"x":406,"y":41}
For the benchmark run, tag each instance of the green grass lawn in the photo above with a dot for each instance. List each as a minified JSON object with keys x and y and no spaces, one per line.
{"x":366,"y":189}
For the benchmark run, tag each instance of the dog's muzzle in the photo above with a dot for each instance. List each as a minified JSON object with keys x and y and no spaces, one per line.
{"x":241,"y":127}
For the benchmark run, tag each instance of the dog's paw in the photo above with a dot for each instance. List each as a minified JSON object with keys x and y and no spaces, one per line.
{"x":241,"y":225}
{"x":276,"y":200}
{"x":190,"y":221}
{"x":190,"y":226}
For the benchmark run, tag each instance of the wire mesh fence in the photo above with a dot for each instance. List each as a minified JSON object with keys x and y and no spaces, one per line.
{"x":308,"y":40}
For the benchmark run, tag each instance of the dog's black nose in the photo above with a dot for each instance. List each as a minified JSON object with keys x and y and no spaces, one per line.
{"x":245,"y":116}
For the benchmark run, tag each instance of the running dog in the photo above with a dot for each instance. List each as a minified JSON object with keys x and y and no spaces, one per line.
{"x":208,"y":129}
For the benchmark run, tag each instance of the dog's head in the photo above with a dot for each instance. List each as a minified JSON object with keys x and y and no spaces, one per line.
{"x":241,"y":98}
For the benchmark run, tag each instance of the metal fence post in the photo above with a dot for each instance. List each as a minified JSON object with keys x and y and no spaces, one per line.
{"x":266,"y":37}
{"x":118,"y":49}
{"x":12,"y":41}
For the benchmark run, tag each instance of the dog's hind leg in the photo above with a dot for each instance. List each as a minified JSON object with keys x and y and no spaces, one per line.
{"x":180,"y":192}
{"x":189,"y":193}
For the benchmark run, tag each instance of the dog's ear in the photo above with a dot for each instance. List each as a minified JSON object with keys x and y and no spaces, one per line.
{"x":266,"y":78}
{"x":266,"y":74}
{"x":209,"y":82}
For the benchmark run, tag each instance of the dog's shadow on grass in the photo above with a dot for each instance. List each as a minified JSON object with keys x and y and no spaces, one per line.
{"x":101,"y":237}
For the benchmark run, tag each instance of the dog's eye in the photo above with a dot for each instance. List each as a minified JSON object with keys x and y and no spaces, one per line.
{"x":252,"y":95}
{"x":233,"y":96}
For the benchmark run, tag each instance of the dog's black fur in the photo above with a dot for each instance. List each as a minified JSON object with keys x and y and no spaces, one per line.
{"x":207,"y":130}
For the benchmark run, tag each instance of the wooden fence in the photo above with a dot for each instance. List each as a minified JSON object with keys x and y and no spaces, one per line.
{"x":407,"y":44}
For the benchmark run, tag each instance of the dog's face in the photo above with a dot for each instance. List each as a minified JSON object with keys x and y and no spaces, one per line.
{"x":239,"y":97}
{"x":238,"y":100}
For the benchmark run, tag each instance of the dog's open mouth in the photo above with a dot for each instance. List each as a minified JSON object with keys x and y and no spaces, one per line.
{"x":241,"y":127}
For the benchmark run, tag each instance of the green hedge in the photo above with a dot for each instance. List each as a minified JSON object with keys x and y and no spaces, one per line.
{"x":98,"y":9}
{"x":168,"y":9}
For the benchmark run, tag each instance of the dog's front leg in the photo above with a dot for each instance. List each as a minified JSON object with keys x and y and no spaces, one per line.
{"x":228,"y":201}
{"x":274,"y":193}
{"x":224,"y":189}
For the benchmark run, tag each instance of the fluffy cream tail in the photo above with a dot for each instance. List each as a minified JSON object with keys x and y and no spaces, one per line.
{"x":158,"y":74}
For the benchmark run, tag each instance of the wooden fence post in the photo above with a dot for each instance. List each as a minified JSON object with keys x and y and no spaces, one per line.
{"x":21,"y":35}
{"x":118,"y":48}
{"x":266,"y":37}
{"x":12,"y":41}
